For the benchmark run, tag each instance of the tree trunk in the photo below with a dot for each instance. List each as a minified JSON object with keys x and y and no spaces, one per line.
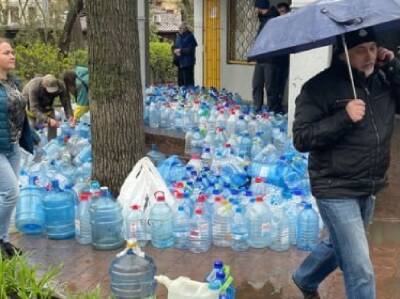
{"x":74,"y":9}
{"x":115,"y":89}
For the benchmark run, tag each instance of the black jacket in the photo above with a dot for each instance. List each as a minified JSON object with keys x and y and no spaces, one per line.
{"x":347,"y":159}
{"x":271,"y":13}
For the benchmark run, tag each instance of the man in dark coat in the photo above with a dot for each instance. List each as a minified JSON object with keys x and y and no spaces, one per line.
{"x":272,"y":75}
{"x":185,"y":55}
{"x":349,"y":144}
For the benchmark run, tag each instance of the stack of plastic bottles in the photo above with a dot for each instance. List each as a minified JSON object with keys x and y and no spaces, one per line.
{"x":245,"y":185}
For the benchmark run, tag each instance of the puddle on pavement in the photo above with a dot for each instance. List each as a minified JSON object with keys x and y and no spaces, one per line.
{"x":385,"y":233}
{"x":249,"y":291}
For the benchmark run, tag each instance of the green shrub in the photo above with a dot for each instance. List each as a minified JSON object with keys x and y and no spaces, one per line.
{"x":39,"y":58}
{"x":161,"y":68}
{"x":18,"y":279}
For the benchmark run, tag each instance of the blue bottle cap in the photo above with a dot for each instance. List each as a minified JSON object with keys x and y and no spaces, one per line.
{"x":218,"y":264}
{"x":308,"y":206}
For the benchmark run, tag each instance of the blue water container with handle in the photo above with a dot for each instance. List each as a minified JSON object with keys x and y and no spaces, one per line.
{"x":59,"y":207}
{"x":132,"y":274}
{"x":30,"y":218}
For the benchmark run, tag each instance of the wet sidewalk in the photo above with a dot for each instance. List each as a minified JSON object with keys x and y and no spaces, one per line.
{"x":257,"y":273}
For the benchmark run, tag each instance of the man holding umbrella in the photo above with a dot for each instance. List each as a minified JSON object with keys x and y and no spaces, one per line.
{"x":348,"y":140}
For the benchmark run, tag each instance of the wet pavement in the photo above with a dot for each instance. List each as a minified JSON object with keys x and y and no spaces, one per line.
{"x":258,"y":273}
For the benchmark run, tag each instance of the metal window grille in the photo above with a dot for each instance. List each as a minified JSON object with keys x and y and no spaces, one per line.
{"x":242,"y":29}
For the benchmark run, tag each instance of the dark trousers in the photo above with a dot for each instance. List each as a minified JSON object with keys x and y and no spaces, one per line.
{"x":186,"y":76}
{"x":272,"y":77}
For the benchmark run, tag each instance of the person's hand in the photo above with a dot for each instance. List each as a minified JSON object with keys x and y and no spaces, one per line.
{"x":356,"y":110}
{"x":72,"y":121}
{"x":53,"y":123}
{"x":384,"y":56}
{"x":177,"y":52}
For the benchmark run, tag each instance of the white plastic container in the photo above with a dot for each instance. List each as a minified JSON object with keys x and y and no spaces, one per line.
{"x":185,"y":288}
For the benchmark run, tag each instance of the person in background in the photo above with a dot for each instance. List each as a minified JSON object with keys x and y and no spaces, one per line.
{"x":185,"y":51}
{"x":40,"y":93}
{"x":349,"y":144}
{"x":77,"y":84}
{"x":15,"y":132}
{"x":283,"y":8}
{"x":264,"y":73}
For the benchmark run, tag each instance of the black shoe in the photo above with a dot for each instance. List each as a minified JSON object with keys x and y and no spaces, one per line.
{"x":4,"y":254}
{"x":307,"y":294}
{"x":10,"y":249}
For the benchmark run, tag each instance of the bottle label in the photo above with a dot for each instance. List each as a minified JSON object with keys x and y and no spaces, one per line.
{"x":265,"y":228}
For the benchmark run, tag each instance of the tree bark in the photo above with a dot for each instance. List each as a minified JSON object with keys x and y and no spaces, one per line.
{"x":115,"y":89}
{"x":75,"y":8}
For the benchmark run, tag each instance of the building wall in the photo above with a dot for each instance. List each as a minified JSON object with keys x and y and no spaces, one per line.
{"x":234,"y":77}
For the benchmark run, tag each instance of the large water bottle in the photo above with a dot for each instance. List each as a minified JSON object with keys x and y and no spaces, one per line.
{"x":200,"y":233}
{"x":307,"y":229}
{"x":155,"y":156}
{"x":135,"y":225}
{"x":59,"y":207}
{"x":221,"y":223}
{"x":30,"y":218}
{"x":161,"y":224}
{"x":106,"y":221}
{"x":196,"y":142}
{"x":279,"y":229}
{"x":259,"y":217}
{"x":239,"y":231}
{"x":241,"y":125}
{"x":83,"y":229}
{"x":258,"y":187}
{"x":245,"y":144}
{"x":181,"y":228}
{"x":132,"y":274}
{"x":154,"y":115}
{"x":84,"y":156}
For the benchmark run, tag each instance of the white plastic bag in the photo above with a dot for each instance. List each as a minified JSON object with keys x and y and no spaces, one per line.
{"x":140,"y":187}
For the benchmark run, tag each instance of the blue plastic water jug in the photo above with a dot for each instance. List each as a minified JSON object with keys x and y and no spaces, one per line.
{"x":30,"y":218}
{"x":132,"y":274}
{"x":106,"y":222}
{"x":59,"y":207}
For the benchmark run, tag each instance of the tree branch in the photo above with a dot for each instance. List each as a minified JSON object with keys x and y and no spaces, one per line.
{"x":74,"y":10}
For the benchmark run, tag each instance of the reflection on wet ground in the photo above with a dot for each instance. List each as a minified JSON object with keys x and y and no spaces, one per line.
{"x":257,"y":273}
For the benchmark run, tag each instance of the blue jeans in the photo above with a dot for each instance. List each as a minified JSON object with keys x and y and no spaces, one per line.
{"x":9,"y":188}
{"x":347,"y":221}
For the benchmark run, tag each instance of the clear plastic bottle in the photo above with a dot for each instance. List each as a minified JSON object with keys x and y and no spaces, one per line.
{"x":135,"y":225}
{"x":307,"y":228}
{"x":221,"y":223}
{"x":239,"y":231}
{"x":181,"y":228}
{"x":259,"y":217}
{"x":83,"y":229}
{"x":200,"y":233}
{"x":161,"y":224}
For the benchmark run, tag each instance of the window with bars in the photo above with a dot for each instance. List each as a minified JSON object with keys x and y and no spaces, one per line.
{"x":242,"y":30}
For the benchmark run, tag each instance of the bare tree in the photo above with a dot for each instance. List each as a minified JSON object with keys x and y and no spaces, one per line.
{"x":115,"y":89}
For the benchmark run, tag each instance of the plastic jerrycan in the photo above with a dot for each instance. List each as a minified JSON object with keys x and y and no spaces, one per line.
{"x":185,"y":288}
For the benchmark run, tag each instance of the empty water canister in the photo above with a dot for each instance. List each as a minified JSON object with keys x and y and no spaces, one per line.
{"x":59,"y":207}
{"x":132,"y":274}
{"x":30,"y":218}
{"x":106,"y":222}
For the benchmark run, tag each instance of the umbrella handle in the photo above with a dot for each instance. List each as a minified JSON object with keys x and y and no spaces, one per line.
{"x":346,"y":51}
